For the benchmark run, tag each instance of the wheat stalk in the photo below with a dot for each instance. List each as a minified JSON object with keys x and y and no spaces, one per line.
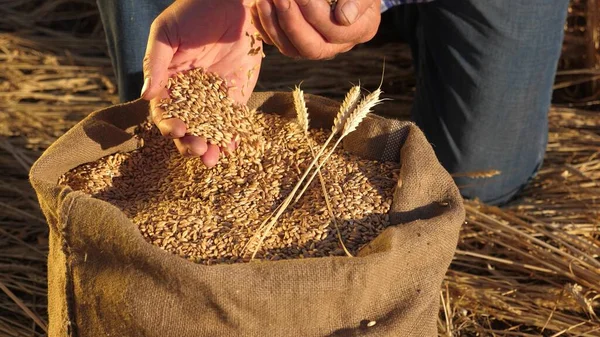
{"x":353,"y":120}
{"x":288,"y":199}
{"x":477,"y":174}
{"x":302,"y":116}
{"x":349,"y":123}
{"x":348,"y":105}
{"x":258,"y":231}
{"x":351,"y":109}
{"x":286,"y":202}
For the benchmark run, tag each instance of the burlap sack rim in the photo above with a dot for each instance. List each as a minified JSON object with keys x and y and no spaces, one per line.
{"x":68,"y":198}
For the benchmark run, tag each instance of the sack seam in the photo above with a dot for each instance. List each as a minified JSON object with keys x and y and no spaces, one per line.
{"x":69,"y":285}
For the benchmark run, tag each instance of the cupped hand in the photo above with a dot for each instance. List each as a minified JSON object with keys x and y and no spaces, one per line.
{"x":210,"y":34}
{"x":310,"y":29}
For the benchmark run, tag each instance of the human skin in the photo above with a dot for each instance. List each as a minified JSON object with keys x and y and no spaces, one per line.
{"x":309,"y":29}
{"x":212,"y":34}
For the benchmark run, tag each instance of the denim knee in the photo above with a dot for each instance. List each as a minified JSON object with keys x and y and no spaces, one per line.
{"x":485,"y":71}
{"x":497,"y":186}
{"x":127,"y":25}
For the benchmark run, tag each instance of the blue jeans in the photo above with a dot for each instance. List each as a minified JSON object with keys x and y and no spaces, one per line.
{"x":485,"y":70}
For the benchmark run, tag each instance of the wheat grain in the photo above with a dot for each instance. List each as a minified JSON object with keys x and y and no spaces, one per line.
{"x":217,"y":215}
{"x":210,"y":215}
{"x":200,"y":99}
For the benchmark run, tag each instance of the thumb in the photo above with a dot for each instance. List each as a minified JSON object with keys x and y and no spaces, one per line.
{"x":159,"y":53}
{"x":348,"y":12}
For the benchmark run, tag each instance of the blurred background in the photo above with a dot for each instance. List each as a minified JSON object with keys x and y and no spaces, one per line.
{"x":528,"y":269}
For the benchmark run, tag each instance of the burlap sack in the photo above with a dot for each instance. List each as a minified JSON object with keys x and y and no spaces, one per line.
{"x":104,"y":279}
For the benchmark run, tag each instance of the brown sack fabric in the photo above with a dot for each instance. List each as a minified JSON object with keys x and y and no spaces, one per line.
{"x":104,"y":279}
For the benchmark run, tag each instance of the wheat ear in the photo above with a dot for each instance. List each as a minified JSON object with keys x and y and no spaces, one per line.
{"x":302,"y":115}
{"x":357,"y":116}
{"x":349,"y":102}
{"x":352,"y":106}
{"x":348,"y":105}
{"x":285,"y":203}
{"x":301,"y":110}
{"x":361,"y":111}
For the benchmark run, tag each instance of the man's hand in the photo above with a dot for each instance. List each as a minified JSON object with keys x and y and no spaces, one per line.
{"x":209,"y":34}
{"x":309,"y":29}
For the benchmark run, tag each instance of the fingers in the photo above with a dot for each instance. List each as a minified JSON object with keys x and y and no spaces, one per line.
{"x":318,"y":14}
{"x":169,"y":127}
{"x":257,"y":24}
{"x":172,"y":127}
{"x":159,"y":53}
{"x":307,"y":28}
{"x":268,"y":19}
{"x":348,"y":12}
{"x":192,"y":146}
{"x":307,"y":41}
{"x":211,"y":156}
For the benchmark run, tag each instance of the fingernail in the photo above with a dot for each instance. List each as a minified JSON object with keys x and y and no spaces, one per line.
{"x":146,"y":86}
{"x":264,"y":7}
{"x":350,"y":11}
{"x":282,"y":5}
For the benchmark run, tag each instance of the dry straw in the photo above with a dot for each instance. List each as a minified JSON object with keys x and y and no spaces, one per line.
{"x":57,"y":74}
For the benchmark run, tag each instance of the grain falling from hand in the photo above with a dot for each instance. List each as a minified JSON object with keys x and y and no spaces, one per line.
{"x":200,"y":99}
{"x":210,"y":216}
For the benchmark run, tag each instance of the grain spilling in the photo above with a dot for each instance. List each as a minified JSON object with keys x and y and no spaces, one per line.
{"x":208,"y":215}
{"x":252,"y":200}
{"x":200,"y":100}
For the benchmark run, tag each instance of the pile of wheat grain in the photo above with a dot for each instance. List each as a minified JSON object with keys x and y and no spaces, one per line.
{"x":209,"y":215}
